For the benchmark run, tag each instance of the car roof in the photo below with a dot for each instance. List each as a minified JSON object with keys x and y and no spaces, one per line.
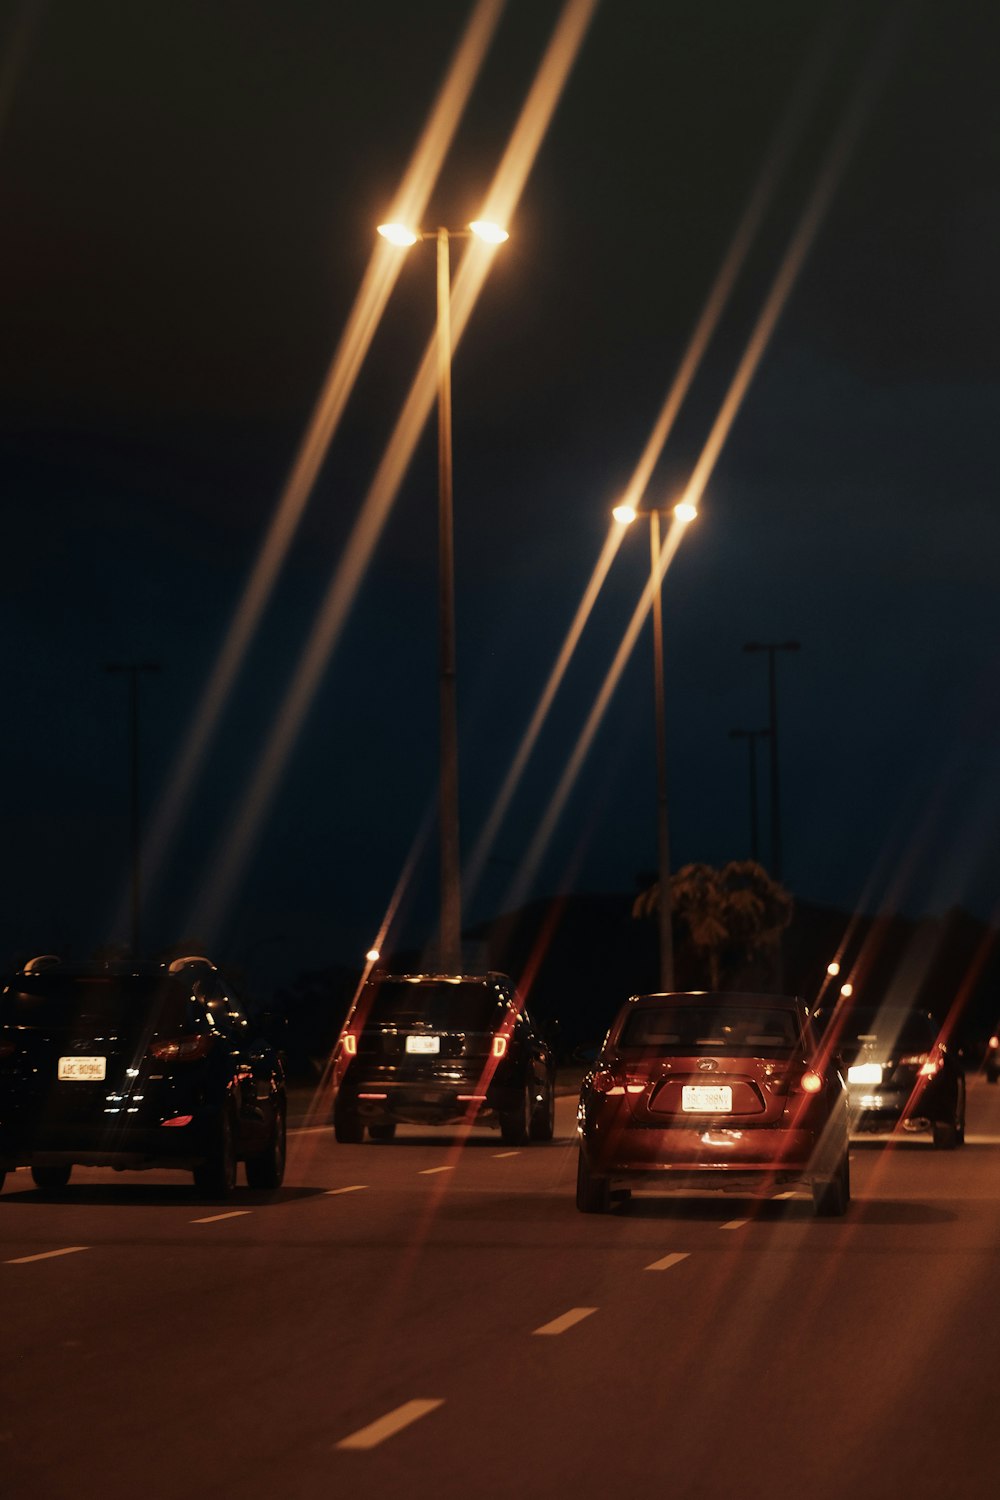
{"x":718,"y":998}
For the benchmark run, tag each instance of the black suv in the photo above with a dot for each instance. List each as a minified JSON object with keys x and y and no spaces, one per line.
{"x":439,"y":1049}
{"x":900,"y":1074}
{"x":132,"y":1065}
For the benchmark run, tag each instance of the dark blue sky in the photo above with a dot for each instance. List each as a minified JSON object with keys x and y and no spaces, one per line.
{"x":188,"y":196}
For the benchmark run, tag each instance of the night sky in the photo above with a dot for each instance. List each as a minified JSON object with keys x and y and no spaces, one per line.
{"x":189,"y":191}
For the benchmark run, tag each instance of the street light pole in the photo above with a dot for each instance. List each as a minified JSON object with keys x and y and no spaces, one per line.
{"x":133,"y":669}
{"x":752,"y":736}
{"x":681,"y":515}
{"x":772,"y":647}
{"x":451,"y":890}
{"x":450,"y":922}
{"x":664,"y":905}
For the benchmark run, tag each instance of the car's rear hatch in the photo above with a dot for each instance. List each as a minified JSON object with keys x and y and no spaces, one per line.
{"x":419,"y":1031}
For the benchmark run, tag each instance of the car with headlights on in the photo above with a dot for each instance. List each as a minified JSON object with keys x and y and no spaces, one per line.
{"x":713,"y":1090}
{"x":442,"y":1049}
{"x":134,"y":1065}
{"x":901,"y":1072}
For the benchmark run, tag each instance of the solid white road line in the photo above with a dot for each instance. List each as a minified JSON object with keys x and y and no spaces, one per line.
{"x":560,"y":1325}
{"x":23,"y":1260}
{"x":358,"y":1187}
{"x":389,"y":1425}
{"x":734,"y":1224}
{"x":429,"y":1171}
{"x":236,"y":1213}
{"x":789,"y":1194}
{"x":499,"y":1155}
{"x":668,"y":1261}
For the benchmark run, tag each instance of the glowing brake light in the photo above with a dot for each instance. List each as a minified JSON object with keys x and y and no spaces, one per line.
{"x":182,"y":1048}
{"x":500,"y":1046}
{"x":349,"y":1043}
{"x":995,"y":1041}
{"x":178,"y":1120}
{"x":811,"y":1082}
{"x":928,"y":1064}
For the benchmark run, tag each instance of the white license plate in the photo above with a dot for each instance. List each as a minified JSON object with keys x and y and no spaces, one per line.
{"x":697,"y":1098}
{"x":865,"y":1073}
{"x":423,"y":1044}
{"x":90,"y":1069}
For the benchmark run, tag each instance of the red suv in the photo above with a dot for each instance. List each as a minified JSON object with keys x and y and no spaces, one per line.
{"x":713,"y":1090}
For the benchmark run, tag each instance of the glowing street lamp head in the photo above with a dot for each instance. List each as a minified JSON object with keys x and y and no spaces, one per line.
{"x":398,"y":234}
{"x":624,"y":514}
{"x":685,"y":512}
{"x":493,"y":234}
{"x":373,"y":955}
{"x":833,"y":968}
{"x":847,"y":990}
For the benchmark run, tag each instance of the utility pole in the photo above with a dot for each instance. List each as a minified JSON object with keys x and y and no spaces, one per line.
{"x":133,"y":669}
{"x":772,"y":647}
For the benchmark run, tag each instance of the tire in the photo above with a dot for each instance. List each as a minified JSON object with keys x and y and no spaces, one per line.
{"x":593,"y":1194}
{"x":348,"y":1129}
{"x":945,"y":1135}
{"x":384,"y":1132}
{"x":51,"y":1179}
{"x":543,"y":1119}
{"x":515,"y":1124}
{"x":267,"y":1169}
{"x":831,"y":1195}
{"x":216,"y":1177}
{"x":3,"y":1178}
{"x":960,"y":1119}
{"x":991,"y":1077}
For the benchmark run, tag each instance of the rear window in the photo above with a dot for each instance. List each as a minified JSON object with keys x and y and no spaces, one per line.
{"x":444,"y":1007}
{"x":686,"y":1029}
{"x":91,"y":1002}
{"x":886,"y":1028}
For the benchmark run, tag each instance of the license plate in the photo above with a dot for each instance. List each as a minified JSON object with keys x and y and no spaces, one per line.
{"x":90,"y":1069}
{"x":697,"y":1098}
{"x":425,"y":1045}
{"x":865,"y":1073}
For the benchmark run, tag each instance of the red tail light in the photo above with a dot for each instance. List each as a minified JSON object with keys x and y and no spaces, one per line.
{"x":929,"y":1063}
{"x":607,"y":1081}
{"x":995,"y":1041}
{"x":178,"y":1120}
{"x":182,"y":1048}
{"x":349,"y":1044}
{"x":500,"y":1046}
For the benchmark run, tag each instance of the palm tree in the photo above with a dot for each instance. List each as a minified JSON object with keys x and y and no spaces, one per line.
{"x":734,"y":915}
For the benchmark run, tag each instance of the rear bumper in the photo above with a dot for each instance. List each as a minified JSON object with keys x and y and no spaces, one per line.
{"x":135,"y":1147}
{"x":431,"y":1104}
{"x":705,"y":1154}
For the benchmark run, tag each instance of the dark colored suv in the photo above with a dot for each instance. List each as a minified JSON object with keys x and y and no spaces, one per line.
{"x":713,"y":1090}
{"x":133,"y":1065}
{"x":439,"y":1049}
{"x":901,"y":1075}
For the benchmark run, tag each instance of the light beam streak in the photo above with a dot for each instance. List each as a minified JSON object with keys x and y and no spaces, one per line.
{"x":815,"y":210}
{"x":480,"y":853}
{"x":501,"y":201}
{"x":384,"y":268}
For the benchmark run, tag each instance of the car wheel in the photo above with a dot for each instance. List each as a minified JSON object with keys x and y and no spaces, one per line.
{"x":384,"y":1132}
{"x":3,"y":1178}
{"x":945,"y":1135}
{"x":593,"y":1194}
{"x":515,"y":1124}
{"x":831,"y":1195}
{"x":51,"y":1179}
{"x":217,"y":1174}
{"x":267,"y":1169}
{"x":348,"y":1128}
{"x":991,"y":1076}
{"x":543,"y":1119}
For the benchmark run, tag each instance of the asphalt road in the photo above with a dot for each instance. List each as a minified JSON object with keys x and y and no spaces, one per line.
{"x":422,"y":1320}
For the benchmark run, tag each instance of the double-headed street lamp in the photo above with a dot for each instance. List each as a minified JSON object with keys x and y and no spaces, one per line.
{"x":450,"y":937}
{"x":683,"y":514}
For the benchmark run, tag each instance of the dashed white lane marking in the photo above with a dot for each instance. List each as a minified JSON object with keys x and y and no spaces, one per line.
{"x":235,"y":1213}
{"x":789,"y":1194}
{"x":568,"y":1319}
{"x":734,"y":1224}
{"x":23,"y":1260}
{"x":358,"y":1187}
{"x":499,"y":1155}
{"x":429,"y":1171}
{"x":389,"y":1425}
{"x":669,"y":1260}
